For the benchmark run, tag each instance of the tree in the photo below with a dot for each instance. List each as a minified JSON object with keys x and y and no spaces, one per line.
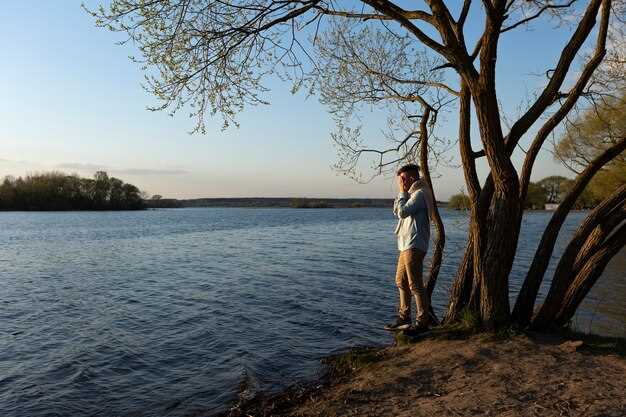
{"x":58,"y":191}
{"x":536,"y":197}
{"x":102,"y":189}
{"x":132,"y":197}
{"x":212,"y":57}
{"x":7,"y":193}
{"x":589,"y":134}
{"x":554,"y":187}
{"x":459,"y":202}
{"x":116,"y":193}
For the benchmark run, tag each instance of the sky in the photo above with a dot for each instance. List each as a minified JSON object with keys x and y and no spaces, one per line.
{"x":71,"y":100}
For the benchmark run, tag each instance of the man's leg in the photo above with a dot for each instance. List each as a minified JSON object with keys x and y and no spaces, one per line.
{"x":413,"y":266}
{"x":402,"y":282}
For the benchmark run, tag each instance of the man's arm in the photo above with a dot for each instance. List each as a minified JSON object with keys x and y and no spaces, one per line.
{"x":409,"y":204}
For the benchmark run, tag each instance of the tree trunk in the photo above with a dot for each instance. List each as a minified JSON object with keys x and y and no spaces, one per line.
{"x":522,"y":312}
{"x":494,"y":223}
{"x":440,"y":241}
{"x":462,"y":295}
{"x":495,"y":241}
{"x":496,"y":261}
{"x":589,"y":274}
{"x":604,"y":216}
{"x":440,"y":237}
{"x":596,"y":238}
{"x":461,"y":290}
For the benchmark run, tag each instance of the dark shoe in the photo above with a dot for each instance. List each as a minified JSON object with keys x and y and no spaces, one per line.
{"x":419,"y":328}
{"x":399,"y":324}
{"x":415,"y":330}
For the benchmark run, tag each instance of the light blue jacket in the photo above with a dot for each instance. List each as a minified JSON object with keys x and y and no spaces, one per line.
{"x":413,"y":229}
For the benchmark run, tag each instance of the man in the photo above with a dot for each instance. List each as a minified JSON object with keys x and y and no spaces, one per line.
{"x":412,"y":207}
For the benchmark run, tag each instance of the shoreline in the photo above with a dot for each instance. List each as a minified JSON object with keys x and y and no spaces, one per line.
{"x":459,"y":372}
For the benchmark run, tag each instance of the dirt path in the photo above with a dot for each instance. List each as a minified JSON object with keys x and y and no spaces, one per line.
{"x":518,"y":376}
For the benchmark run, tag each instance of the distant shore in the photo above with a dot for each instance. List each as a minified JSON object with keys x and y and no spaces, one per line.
{"x":452,"y":374}
{"x":269,"y":202}
{"x":288,"y":202}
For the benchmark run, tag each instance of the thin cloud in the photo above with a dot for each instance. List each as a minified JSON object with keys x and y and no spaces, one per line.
{"x":13,"y":161}
{"x":82,"y":167}
{"x":120,"y":171}
{"x":145,"y":171}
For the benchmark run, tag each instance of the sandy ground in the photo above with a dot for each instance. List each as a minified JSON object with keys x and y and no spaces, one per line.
{"x":476,"y":376}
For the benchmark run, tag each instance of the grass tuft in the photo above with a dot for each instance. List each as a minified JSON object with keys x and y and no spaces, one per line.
{"x":470,"y":320}
{"x":348,"y":362}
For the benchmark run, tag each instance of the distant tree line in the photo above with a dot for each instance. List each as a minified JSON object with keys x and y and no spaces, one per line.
{"x":59,"y":191}
{"x":157,"y":201}
{"x":552,"y":190}
{"x":307,"y":203}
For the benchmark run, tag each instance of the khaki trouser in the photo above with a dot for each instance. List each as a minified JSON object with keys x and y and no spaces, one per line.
{"x":409,"y":282}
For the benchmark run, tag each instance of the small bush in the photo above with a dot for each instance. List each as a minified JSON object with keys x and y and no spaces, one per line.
{"x":459,"y":202}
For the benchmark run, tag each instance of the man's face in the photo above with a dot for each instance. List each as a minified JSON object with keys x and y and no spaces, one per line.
{"x":408,"y":178}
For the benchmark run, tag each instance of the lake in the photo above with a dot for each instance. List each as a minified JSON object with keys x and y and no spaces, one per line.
{"x":168,"y":312}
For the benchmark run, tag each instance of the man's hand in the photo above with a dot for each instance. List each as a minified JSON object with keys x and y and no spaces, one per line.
{"x":403,"y":184}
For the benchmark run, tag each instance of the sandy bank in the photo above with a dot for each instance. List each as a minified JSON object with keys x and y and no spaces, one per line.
{"x":474,"y":375}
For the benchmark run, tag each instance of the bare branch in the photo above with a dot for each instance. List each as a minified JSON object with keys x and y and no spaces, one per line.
{"x":465,"y":146}
{"x":547,"y":96}
{"x":464,"y":12}
{"x":571,"y":100}
{"x":537,"y":14}
{"x":392,"y":10}
{"x":407,"y":14}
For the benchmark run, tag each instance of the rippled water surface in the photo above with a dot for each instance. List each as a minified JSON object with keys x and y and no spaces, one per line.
{"x":166,"y":312}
